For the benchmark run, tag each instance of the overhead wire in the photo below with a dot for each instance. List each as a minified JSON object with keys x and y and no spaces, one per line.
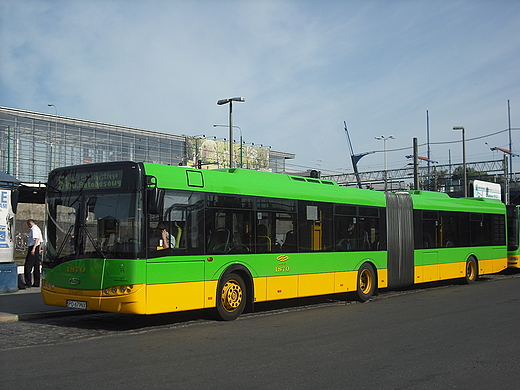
{"x":423,"y":144}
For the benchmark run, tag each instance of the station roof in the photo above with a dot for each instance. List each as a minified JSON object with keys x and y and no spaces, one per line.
{"x":7,"y":180}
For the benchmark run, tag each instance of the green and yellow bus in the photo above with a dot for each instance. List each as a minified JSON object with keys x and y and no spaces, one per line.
{"x":146,"y":238}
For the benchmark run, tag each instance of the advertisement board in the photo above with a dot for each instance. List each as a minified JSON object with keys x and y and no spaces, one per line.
{"x":214,"y":154}
{"x":483,"y":189}
{"x":7,"y":220}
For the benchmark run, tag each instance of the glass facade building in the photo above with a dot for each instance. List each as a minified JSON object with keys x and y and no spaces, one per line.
{"x":32,"y":144}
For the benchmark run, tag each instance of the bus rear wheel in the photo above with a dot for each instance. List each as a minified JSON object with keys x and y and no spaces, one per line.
{"x":471,"y":270}
{"x":366,"y":282}
{"x":231,"y":297}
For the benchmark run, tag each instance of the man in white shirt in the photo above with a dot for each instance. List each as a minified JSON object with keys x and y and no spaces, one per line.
{"x":32,"y":260}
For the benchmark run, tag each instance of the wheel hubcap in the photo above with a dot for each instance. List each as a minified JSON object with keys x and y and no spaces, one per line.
{"x":470,"y":270}
{"x":231,"y":295}
{"x":365,"y":281}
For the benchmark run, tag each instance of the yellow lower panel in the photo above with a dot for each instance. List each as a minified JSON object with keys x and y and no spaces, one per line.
{"x":315,"y":284}
{"x":165,"y":298}
{"x":426,"y":273}
{"x":345,"y":281}
{"x":211,"y":290}
{"x":132,"y":303}
{"x":433,"y":272}
{"x":382,"y":276}
{"x":260,"y":285}
{"x":282,"y":287}
{"x":151,"y":299}
{"x":500,"y":264}
{"x":452,"y":270}
{"x":492,"y":266}
{"x":293,"y":286}
{"x":429,"y":273}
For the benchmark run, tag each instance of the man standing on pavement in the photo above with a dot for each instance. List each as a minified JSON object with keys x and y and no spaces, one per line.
{"x":32,"y":261}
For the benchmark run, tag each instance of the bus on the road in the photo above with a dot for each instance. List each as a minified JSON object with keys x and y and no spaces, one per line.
{"x":144,"y":238}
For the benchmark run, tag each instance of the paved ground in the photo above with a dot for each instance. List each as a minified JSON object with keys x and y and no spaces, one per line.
{"x":27,"y":304}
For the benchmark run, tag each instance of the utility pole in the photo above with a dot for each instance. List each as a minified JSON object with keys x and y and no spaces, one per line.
{"x":416,"y":165}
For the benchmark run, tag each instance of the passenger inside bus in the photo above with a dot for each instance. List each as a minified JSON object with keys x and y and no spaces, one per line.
{"x":165,"y":239}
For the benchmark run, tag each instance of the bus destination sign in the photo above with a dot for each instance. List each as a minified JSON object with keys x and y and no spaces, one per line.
{"x":90,"y":181}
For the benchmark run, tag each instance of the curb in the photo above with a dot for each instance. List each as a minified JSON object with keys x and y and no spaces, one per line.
{"x":8,"y":317}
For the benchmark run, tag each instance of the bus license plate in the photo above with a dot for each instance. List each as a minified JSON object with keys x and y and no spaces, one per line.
{"x":77,"y":305}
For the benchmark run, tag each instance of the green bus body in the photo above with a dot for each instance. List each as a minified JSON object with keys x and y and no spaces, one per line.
{"x":146,"y":238}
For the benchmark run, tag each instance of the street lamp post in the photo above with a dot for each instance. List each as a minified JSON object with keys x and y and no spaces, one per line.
{"x":507,"y":169}
{"x":463,"y":158}
{"x":230,"y":101}
{"x":55,"y":137}
{"x":241,"y":142}
{"x":384,"y":139}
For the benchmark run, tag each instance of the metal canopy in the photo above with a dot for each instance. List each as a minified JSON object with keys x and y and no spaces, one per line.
{"x":8,"y":181}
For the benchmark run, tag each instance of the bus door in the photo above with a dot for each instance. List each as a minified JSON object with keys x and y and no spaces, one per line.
{"x":430,"y":226}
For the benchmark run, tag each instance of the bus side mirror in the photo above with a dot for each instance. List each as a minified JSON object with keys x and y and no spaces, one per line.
{"x":91,"y":204}
{"x":155,"y":200}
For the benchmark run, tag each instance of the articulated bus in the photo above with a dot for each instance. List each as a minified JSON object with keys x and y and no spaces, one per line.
{"x":146,"y":238}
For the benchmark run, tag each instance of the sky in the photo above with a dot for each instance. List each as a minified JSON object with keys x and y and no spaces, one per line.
{"x":303,"y":67}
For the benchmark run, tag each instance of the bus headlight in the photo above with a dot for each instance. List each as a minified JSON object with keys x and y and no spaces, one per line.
{"x":118,"y":290}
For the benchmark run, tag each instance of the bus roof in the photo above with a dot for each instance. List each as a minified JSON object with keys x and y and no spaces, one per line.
{"x":429,"y":200}
{"x":256,"y":183}
{"x":247,"y":182}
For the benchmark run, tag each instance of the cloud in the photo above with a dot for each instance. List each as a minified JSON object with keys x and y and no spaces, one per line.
{"x":303,"y":66}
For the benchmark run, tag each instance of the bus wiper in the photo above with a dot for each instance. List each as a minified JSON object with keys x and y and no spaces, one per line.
{"x":94,"y":243}
{"x":65,"y":240}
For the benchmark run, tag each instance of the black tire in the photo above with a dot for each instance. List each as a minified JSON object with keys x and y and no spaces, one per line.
{"x":471,"y":274}
{"x":231,"y":297}
{"x":366,"y":282}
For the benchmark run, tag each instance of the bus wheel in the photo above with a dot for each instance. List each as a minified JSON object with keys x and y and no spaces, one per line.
{"x":366,"y":282}
{"x":231,"y":297}
{"x":471,"y":270}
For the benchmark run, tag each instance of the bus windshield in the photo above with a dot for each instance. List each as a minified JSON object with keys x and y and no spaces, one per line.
{"x":93,"y":225}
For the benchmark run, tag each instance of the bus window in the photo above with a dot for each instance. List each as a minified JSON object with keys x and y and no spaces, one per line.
{"x":65,"y":235}
{"x":346,"y":233}
{"x":111,"y":226}
{"x":497,"y":229}
{"x":264,"y":232}
{"x":369,"y":228}
{"x":430,"y":229}
{"x":275,"y":225}
{"x":464,"y":229}
{"x":356,"y":229}
{"x":477,"y":229}
{"x":284,"y":234}
{"x":179,"y":229}
{"x":274,"y":232}
{"x":315,"y":226}
{"x":228,"y":231}
{"x":449,"y":230}
{"x":512,"y":227}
